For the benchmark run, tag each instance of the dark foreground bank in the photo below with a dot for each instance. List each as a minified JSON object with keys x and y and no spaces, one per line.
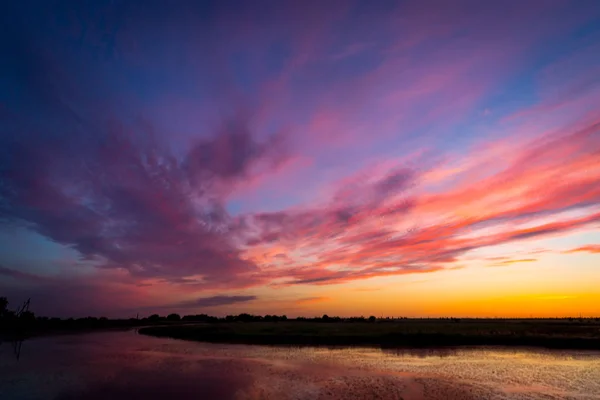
{"x":412,"y":333}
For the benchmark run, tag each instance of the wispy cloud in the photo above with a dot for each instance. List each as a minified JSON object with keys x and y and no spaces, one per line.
{"x":24,"y":276}
{"x":309,"y":300}
{"x":510,"y":262}
{"x":592,"y":248}
{"x":213,"y":301}
{"x":367,"y":289}
{"x":511,"y":204}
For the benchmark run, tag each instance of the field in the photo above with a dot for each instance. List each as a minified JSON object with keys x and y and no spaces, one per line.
{"x":559,"y":333}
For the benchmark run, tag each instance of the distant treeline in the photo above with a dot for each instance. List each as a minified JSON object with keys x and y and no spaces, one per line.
{"x":209,"y":318}
{"x":22,"y":319}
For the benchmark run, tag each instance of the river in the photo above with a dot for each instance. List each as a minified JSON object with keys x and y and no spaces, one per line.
{"x":125,"y":365}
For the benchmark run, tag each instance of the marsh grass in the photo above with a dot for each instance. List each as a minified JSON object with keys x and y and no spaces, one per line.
{"x":583,"y":334}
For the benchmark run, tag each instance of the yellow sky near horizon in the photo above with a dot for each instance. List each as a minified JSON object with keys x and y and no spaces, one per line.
{"x":540,"y":284}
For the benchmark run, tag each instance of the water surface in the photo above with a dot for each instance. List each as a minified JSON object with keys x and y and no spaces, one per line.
{"x":125,"y":365}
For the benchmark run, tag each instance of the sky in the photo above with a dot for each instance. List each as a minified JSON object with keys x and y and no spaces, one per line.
{"x":389,"y":158}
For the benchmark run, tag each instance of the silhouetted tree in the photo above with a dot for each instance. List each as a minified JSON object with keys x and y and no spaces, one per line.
{"x":3,"y":306}
{"x":247,"y":318}
{"x":27,"y":317}
{"x":154,"y":318}
{"x":372,"y":318}
{"x":5,"y":313}
{"x":173,"y":317}
{"x":200,"y":318}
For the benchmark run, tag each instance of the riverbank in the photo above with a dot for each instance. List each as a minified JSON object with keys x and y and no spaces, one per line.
{"x":558,"y":334}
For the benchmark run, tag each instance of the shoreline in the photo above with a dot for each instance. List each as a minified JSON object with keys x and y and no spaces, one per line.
{"x":364,"y":335}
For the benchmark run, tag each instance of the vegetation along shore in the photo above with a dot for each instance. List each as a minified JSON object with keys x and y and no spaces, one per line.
{"x":550,"y":333}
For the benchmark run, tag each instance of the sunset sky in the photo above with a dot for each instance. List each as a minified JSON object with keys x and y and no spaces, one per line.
{"x":388,"y":158}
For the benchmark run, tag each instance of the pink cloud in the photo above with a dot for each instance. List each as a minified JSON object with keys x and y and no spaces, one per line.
{"x":356,"y":239}
{"x":510,"y":262}
{"x":592,"y":248}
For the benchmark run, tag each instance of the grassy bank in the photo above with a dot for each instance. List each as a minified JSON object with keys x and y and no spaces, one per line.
{"x":414,"y":333}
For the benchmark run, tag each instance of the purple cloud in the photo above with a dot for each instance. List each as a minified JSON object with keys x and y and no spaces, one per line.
{"x":216,"y":301}
{"x":19,"y":275}
{"x":205,"y":302}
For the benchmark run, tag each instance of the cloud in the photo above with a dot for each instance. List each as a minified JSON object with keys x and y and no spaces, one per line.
{"x":130,"y":206}
{"x":19,"y":275}
{"x":119,"y":192}
{"x":353,"y":202}
{"x":592,"y":248}
{"x":213,"y":301}
{"x":352,"y":237}
{"x":309,"y":300}
{"x":510,"y":262}
{"x":119,"y":196}
{"x":317,"y":275}
{"x":351,"y":50}
{"x":232,"y":152}
{"x":367,"y":289}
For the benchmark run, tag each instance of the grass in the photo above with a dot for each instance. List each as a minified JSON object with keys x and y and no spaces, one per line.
{"x":573,"y":333}
{"x":567,"y":334}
